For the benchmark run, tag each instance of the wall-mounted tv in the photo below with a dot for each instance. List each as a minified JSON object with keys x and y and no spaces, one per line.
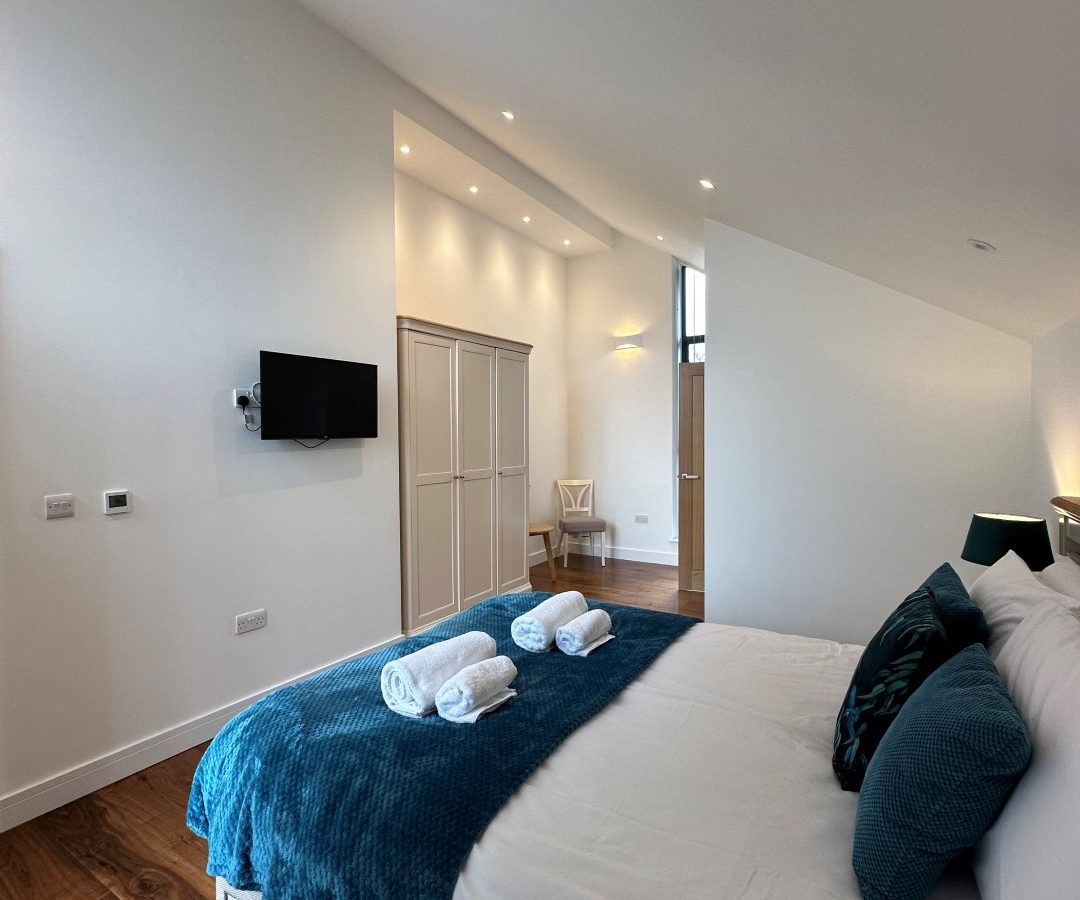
{"x":307,"y":398}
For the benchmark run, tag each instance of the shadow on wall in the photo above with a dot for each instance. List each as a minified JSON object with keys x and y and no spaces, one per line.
{"x":246,"y":464}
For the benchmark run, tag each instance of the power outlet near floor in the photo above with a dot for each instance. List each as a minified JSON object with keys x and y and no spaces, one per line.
{"x":641,"y":519}
{"x":251,"y":621}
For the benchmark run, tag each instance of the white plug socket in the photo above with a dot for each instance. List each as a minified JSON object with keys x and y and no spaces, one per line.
{"x":242,"y":392}
{"x":251,"y":621}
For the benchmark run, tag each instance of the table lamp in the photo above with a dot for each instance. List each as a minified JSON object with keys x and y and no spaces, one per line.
{"x":992,"y":535}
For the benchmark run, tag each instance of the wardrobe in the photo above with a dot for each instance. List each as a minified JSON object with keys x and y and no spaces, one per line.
{"x":464,"y":439}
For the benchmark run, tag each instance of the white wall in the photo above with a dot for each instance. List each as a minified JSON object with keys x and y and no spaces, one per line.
{"x":622,"y":402}
{"x":460,"y":268}
{"x":851,"y":432}
{"x":1055,"y":394}
{"x":182,"y":185}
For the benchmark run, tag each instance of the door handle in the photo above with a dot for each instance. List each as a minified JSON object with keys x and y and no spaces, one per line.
{"x":684,"y":477}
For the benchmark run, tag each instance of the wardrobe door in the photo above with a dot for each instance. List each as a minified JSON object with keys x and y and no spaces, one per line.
{"x":512,"y":467}
{"x":476,"y":472}
{"x":431,"y":488}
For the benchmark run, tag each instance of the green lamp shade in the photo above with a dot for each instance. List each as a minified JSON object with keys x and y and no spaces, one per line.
{"x":992,"y":535}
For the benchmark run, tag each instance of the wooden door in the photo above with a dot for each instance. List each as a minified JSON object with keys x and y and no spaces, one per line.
{"x":477,"y":568}
{"x":431,"y":486}
{"x":692,"y":476}
{"x":512,"y":467}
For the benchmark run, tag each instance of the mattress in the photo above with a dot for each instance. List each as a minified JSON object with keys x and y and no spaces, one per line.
{"x":710,"y":776}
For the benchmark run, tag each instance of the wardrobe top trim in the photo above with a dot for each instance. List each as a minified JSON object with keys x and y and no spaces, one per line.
{"x":407,"y":323}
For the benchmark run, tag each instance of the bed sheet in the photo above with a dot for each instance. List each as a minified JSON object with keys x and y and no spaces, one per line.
{"x":710,"y":776}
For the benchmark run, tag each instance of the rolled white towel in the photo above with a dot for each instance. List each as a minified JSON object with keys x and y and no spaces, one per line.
{"x":476,"y":689}
{"x":409,"y":684}
{"x":580,"y":636}
{"x":535,"y":630}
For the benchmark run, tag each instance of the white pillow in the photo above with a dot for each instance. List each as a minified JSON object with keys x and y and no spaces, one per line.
{"x":1032,"y":851}
{"x":1006,"y":593}
{"x":1063,"y":576}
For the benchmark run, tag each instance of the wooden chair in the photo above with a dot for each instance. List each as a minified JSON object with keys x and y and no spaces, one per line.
{"x":576,"y":517}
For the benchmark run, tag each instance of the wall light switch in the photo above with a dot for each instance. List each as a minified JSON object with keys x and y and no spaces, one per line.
{"x":59,"y":506}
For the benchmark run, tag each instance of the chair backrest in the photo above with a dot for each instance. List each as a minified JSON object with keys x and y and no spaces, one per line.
{"x":576,"y":497}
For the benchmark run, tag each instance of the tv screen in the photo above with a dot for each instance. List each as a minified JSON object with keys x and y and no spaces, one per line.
{"x":312,"y":399}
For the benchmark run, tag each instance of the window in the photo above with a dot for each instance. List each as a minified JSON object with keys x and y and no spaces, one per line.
{"x":691,"y":314}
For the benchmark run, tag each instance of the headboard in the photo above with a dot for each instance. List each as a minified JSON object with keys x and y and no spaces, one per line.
{"x":1068,"y":510}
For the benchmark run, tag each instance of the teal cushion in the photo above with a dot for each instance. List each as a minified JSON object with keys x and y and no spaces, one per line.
{"x":938,"y":779}
{"x":909,"y":646}
{"x":964,"y":622}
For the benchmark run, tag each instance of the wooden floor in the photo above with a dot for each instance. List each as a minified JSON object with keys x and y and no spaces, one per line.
{"x":129,"y":840}
{"x":621,"y":581}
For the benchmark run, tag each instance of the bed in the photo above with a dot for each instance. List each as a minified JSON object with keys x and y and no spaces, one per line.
{"x":697,"y":762}
{"x":709,"y":776}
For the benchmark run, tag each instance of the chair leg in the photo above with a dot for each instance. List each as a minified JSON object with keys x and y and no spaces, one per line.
{"x":592,"y":544}
{"x":603,"y":556}
{"x":566,"y":551}
{"x":548,"y":554}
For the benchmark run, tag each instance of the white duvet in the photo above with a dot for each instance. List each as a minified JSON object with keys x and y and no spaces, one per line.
{"x":709,"y":776}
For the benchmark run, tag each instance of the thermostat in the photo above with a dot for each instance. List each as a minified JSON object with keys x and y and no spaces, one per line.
{"x":117,"y":502}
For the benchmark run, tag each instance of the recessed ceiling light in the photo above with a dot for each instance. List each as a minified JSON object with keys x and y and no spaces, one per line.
{"x":509,"y":116}
{"x":659,"y":237}
{"x":708,"y":185}
{"x":406,"y":149}
{"x":526,"y":219}
{"x":985,"y":246}
{"x":473,"y":189}
{"x":566,"y":243}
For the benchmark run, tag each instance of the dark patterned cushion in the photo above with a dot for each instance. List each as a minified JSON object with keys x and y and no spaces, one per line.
{"x":964,"y":622}
{"x":938,"y":779}
{"x":909,"y":646}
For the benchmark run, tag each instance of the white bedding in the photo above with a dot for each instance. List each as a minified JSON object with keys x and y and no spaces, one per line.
{"x":710,"y":776}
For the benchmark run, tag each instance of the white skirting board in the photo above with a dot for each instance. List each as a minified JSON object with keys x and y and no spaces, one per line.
{"x":660,"y":557}
{"x":37,"y":799}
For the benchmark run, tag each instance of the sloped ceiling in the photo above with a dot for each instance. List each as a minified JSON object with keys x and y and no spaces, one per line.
{"x":876,"y":136}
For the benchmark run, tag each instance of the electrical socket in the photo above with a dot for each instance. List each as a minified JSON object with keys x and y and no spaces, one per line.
{"x":251,"y":621}
{"x":242,"y":392}
{"x":641,"y":519}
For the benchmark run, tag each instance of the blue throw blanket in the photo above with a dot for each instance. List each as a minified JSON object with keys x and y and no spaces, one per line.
{"x":320,"y":792}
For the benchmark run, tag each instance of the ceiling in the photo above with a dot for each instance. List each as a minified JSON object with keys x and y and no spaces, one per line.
{"x":448,"y":170}
{"x":876,"y":136}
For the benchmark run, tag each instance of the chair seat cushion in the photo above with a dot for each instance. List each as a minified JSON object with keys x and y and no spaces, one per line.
{"x":582,"y":524}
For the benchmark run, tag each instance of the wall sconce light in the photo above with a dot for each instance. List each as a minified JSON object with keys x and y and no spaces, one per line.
{"x":628,"y":341}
